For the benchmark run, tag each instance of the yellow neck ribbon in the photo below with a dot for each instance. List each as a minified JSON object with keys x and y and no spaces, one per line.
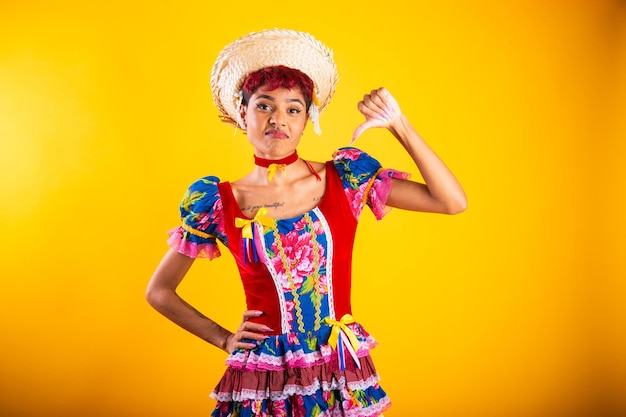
{"x":246,"y":225}
{"x":271,"y":170}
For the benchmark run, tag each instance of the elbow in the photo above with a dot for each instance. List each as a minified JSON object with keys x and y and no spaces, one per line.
{"x":151,"y":296}
{"x":155,"y":297}
{"x":459,"y":205}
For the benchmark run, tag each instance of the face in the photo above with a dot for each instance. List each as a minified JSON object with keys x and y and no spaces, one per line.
{"x":275,"y":120}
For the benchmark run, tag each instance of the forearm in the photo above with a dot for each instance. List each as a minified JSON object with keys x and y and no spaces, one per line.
{"x":171,"y":305}
{"x":443,"y":187}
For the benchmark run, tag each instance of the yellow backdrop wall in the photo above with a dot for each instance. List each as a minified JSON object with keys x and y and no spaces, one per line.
{"x":513,"y":308}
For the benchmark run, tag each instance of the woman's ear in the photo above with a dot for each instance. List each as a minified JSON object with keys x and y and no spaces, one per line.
{"x":241,"y":119}
{"x":242,"y":115}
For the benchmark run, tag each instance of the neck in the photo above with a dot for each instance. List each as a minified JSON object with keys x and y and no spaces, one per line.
{"x":262,"y":162}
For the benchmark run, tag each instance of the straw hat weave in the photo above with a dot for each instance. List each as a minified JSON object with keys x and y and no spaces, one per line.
{"x":267,"y":48}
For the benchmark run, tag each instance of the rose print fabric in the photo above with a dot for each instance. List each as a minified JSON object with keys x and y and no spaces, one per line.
{"x":300,"y":278}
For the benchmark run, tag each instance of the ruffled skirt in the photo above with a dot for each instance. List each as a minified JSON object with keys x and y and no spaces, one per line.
{"x":300,"y":375}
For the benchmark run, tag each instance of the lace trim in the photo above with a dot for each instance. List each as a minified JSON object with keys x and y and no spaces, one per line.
{"x":292,"y":358}
{"x":284,"y":321}
{"x":373,"y":410}
{"x":329,"y":261}
{"x":178,"y":242}
{"x":291,"y":389}
{"x":289,"y":275}
{"x":379,"y":190}
{"x":317,"y":301}
{"x":297,"y":359}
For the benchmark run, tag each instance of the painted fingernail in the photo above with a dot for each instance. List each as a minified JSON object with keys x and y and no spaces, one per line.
{"x":267,"y":329}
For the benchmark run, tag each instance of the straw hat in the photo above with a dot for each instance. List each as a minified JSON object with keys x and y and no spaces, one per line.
{"x":268,"y":48}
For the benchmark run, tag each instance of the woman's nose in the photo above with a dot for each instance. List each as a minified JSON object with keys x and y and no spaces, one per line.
{"x":276,"y":120}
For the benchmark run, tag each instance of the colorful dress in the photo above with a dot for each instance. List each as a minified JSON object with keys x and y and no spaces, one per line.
{"x":297,"y":271}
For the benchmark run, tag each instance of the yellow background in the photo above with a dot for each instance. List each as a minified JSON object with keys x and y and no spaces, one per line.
{"x":513,"y":308}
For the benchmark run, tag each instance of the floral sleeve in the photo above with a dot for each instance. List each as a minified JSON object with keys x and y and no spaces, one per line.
{"x":202,"y":221}
{"x":365,"y":181}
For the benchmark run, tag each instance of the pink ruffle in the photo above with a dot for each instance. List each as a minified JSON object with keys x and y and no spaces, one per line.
{"x":291,"y":356}
{"x":178,"y":242}
{"x":237,"y":385}
{"x":379,"y":193}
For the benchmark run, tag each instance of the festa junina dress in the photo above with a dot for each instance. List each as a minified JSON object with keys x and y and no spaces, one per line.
{"x":298,"y":272}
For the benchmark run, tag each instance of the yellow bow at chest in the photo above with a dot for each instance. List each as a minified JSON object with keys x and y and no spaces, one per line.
{"x":246,"y":224}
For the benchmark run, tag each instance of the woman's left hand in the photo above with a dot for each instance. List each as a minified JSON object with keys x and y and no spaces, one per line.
{"x":380,"y":110}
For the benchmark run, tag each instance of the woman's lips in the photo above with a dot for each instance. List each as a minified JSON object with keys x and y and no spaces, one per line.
{"x":278,"y":134}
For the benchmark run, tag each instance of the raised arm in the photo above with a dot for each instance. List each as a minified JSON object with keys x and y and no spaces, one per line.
{"x":161,"y":294}
{"x":441,"y":192}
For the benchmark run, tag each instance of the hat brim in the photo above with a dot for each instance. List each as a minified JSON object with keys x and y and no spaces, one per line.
{"x":298,"y":50}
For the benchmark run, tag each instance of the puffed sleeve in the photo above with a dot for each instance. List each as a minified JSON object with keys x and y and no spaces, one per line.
{"x":365,"y":181}
{"x":202,"y":221}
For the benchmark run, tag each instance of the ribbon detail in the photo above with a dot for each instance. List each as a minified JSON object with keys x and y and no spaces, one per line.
{"x":342,"y":336}
{"x":271,"y":170}
{"x":246,"y":224}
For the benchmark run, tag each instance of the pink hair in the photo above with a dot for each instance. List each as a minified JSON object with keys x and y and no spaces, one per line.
{"x":277,"y":77}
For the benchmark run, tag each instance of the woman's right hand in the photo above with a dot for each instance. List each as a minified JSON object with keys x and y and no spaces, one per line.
{"x":247,"y":330}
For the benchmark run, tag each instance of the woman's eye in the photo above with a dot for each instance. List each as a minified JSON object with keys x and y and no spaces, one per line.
{"x":262,"y":106}
{"x":295,"y":111}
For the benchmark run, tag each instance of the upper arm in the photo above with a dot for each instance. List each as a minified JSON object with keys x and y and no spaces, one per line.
{"x":170,"y":271}
{"x":415,"y":196}
{"x":411,"y":195}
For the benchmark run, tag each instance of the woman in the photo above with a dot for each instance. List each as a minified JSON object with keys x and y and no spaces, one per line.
{"x":290,"y":225}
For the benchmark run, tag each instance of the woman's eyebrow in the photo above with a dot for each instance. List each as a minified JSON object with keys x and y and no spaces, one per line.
{"x":268,"y":97}
{"x":296,"y":100}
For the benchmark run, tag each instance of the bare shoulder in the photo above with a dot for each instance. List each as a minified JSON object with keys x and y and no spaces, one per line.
{"x":244,"y":185}
{"x":314,"y":166}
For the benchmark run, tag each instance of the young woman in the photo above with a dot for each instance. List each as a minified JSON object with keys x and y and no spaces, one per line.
{"x":290,"y":225}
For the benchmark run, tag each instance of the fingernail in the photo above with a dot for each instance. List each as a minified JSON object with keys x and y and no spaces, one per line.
{"x":258,"y":313}
{"x":267,"y":329}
